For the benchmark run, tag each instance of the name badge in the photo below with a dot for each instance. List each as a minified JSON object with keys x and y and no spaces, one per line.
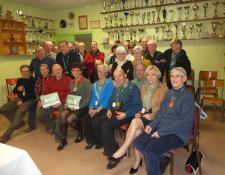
{"x":171,"y":104}
{"x":96,"y":103}
{"x":114,"y":104}
{"x":143,"y":110}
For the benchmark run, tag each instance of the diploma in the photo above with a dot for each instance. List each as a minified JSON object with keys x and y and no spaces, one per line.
{"x":73,"y":101}
{"x":50,"y":100}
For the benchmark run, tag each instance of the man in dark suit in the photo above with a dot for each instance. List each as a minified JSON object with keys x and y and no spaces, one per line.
{"x":82,"y":53}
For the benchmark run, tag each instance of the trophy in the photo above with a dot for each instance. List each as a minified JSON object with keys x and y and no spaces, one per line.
{"x":116,"y":16}
{"x":117,"y":36}
{"x":183,"y":28}
{"x":111,"y":17}
{"x":106,"y":20}
{"x":223,"y":2}
{"x":158,"y":11}
{"x":137,"y":14}
{"x":37,"y":34}
{"x":215,"y":11}
{"x":205,"y":7}
{"x":29,"y":24}
{"x":148,"y":17}
{"x":53,"y":37}
{"x":127,"y":4}
{"x":214,"y":27}
{"x":142,"y":3}
{"x":111,"y":7}
{"x":121,"y":20}
{"x":131,"y":15}
{"x":151,"y":3}
{"x":112,"y":31}
{"x":122,"y":39}
{"x":127,"y":33}
{"x":109,"y":35}
{"x":135,"y":4}
{"x":53,"y":26}
{"x":171,"y":14}
{"x":131,"y":5}
{"x":135,"y":32}
{"x":146,"y":1}
{"x":119,"y":4}
{"x":33,"y":35}
{"x":24,"y":18}
{"x":195,"y":8}
{"x":157,"y":33}
{"x":11,"y":25}
{"x":126,"y":14}
{"x":176,"y":26}
{"x":156,"y":2}
{"x":30,"y":36}
{"x":187,"y":12}
{"x":191,"y":27}
{"x":179,"y":12}
{"x":29,"y":50}
{"x":104,"y":5}
{"x":50,"y":35}
{"x":163,"y":31}
{"x":153,"y":16}
{"x":116,"y":4}
{"x":161,"y":1}
{"x":131,"y":37}
{"x":199,"y":25}
{"x":143,"y":18}
{"x":141,"y":33}
{"x":164,"y":14}
{"x":117,"y":106}
{"x":221,"y":27}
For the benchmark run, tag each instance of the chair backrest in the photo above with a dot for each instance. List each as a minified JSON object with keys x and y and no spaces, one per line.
{"x":214,"y":83}
{"x":164,"y":78}
{"x":194,"y":130}
{"x":10,"y":82}
{"x":203,"y":75}
{"x":191,"y":77}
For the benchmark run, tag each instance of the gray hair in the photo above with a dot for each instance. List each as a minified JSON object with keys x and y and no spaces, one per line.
{"x":81,"y":43}
{"x":152,"y":41}
{"x":138,"y":47}
{"x":120,"y":49}
{"x":141,"y":63}
{"x":104,"y":66}
{"x":179,"y":69}
{"x":112,"y":42}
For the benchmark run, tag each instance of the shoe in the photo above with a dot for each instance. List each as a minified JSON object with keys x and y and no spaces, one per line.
{"x":20,"y":124}
{"x":57,"y":137}
{"x":164,"y":164}
{"x":90,"y":145}
{"x":113,"y":162}
{"x":29,"y":129}
{"x":99,"y":146}
{"x":4,"y":138}
{"x":80,"y":133}
{"x":132,"y":170}
{"x":63,"y":129}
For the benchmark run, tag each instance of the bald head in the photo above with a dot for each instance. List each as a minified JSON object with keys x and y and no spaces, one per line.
{"x":48,"y":47}
{"x":70,"y":46}
{"x":120,"y":77}
{"x":97,"y":63}
{"x":57,"y":70}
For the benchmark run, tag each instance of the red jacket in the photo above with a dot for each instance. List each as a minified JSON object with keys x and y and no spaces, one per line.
{"x":89,"y":60}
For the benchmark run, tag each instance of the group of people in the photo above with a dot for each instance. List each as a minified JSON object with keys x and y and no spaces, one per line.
{"x":131,"y":92}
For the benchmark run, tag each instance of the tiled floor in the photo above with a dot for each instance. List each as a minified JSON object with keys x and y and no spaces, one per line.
{"x":75,"y":160}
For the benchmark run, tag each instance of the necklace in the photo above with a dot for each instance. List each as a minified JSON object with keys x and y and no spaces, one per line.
{"x":75,"y":87}
{"x":44,"y":85}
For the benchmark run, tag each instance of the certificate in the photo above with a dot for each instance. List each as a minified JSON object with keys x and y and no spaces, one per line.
{"x":73,"y":101}
{"x":50,"y":99}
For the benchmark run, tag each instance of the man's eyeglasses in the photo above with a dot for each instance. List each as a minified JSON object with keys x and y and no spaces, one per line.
{"x":176,"y":76}
{"x":39,"y":51}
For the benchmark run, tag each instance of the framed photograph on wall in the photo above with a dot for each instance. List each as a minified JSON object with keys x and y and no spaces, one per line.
{"x":83,"y":25}
{"x":95,"y":24}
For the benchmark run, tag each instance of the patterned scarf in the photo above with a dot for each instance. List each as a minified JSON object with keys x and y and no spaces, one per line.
{"x":174,"y":59}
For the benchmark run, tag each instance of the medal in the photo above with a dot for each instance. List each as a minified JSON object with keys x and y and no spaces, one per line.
{"x":75,"y":89}
{"x":143,"y":110}
{"x":117,"y":104}
{"x":96,"y":103}
{"x":171,"y":104}
{"x":65,"y":72}
{"x":24,"y":92}
{"x":114,"y":104}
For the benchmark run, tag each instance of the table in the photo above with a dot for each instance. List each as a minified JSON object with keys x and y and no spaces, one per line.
{"x":14,"y":161}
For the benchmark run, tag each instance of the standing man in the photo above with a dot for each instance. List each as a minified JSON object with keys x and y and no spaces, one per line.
{"x":76,"y":50}
{"x":70,"y":46}
{"x":25,"y":90}
{"x":48,"y":49}
{"x":56,"y":49}
{"x":125,"y":45}
{"x":144,"y":46}
{"x":61,"y":85}
{"x":140,"y":79}
{"x":40,"y":59}
{"x":66,"y":58}
{"x":93,"y":55}
{"x":82,"y":53}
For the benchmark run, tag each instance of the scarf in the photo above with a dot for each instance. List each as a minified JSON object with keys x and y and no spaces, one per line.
{"x":120,"y":63}
{"x":149,"y":89}
{"x":174,"y":59}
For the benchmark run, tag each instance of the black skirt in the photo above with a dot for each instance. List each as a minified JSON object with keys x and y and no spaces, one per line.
{"x":145,"y":121}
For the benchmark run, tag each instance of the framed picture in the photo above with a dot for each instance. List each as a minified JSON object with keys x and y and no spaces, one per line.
{"x":95,"y":24}
{"x":83,"y":25}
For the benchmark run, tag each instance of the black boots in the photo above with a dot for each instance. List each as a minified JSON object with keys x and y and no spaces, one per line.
{"x":63,"y":142}
{"x":80,"y":132}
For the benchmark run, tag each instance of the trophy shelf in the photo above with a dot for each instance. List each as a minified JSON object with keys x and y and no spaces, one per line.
{"x":39,"y":42}
{"x":160,"y":5}
{"x":166,"y":23}
{"x":37,"y":17}
{"x":39,"y":28}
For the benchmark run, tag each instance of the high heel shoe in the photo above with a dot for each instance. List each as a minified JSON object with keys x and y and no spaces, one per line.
{"x":132,"y":170}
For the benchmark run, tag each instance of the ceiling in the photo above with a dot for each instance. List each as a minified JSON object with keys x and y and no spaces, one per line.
{"x":58,"y":4}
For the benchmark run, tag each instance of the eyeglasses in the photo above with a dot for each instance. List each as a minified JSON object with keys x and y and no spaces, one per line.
{"x":130,"y":47}
{"x":176,"y":76}
{"x":140,"y":70}
{"x":178,"y":46}
{"x":151,"y":45}
{"x":25,"y":72}
{"x":39,"y":51}
{"x":102,"y":72}
{"x":136,"y":53}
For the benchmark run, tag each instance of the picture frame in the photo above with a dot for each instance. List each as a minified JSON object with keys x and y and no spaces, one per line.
{"x":83,"y":25}
{"x":95,"y":24}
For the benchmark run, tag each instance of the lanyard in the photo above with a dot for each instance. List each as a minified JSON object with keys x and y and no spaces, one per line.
{"x":176,"y":97}
{"x":97,"y":91}
{"x":75,"y":87}
{"x":65,"y":66}
{"x":118,"y":93}
{"x":146,"y":98}
{"x":44,"y":84}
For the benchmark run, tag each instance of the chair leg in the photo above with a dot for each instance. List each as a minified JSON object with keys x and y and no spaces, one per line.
{"x":214,"y":104}
{"x":198,"y":157}
{"x":172,"y":163}
{"x":83,"y":130}
{"x":222,"y":112}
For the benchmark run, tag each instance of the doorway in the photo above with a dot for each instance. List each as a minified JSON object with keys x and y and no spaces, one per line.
{"x":86,"y":39}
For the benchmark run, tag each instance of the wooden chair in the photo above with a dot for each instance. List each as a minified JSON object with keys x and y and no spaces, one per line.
{"x":124,"y":128}
{"x":203,"y":75}
{"x":164,"y":79}
{"x":193,"y":141}
{"x":9,"y":84}
{"x":214,"y":100}
{"x":191,"y":78}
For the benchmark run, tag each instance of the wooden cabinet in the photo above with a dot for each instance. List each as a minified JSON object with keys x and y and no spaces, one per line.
{"x":12,"y":38}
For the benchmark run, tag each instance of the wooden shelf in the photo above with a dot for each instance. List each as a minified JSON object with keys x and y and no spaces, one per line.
{"x":39,"y":42}
{"x":12,"y":30}
{"x":14,"y":54}
{"x":13,"y":42}
{"x":37,"y":17}
{"x":166,"y":22}
{"x":160,"y":5}
{"x":38,"y":28}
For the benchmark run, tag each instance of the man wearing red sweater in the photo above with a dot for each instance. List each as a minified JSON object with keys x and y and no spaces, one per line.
{"x":93,"y":55}
{"x":61,"y":85}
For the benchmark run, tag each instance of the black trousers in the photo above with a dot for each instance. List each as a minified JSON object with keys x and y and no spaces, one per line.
{"x":105,"y":128}
{"x":91,"y":136}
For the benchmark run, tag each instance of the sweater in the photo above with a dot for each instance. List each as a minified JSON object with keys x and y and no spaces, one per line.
{"x":35,"y":65}
{"x":62,"y":87}
{"x":29,"y":89}
{"x":83,"y":90}
{"x":178,"y":119}
{"x":107,"y":89}
{"x":131,"y":98}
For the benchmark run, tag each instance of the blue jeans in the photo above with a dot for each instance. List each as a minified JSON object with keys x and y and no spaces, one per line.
{"x":154,"y":148}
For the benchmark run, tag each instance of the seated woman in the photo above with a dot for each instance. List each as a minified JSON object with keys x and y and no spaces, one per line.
{"x":171,"y":127}
{"x":101,"y":92}
{"x":79,"y":86}
{"x":151,"y":95}
{"x":138,"y":58}
{"x":123,"y":63}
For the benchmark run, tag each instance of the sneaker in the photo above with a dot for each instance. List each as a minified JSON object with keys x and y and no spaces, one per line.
{"x":29,"y":129}
{"x":164,"y":164}
{"x":57,"y":137}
